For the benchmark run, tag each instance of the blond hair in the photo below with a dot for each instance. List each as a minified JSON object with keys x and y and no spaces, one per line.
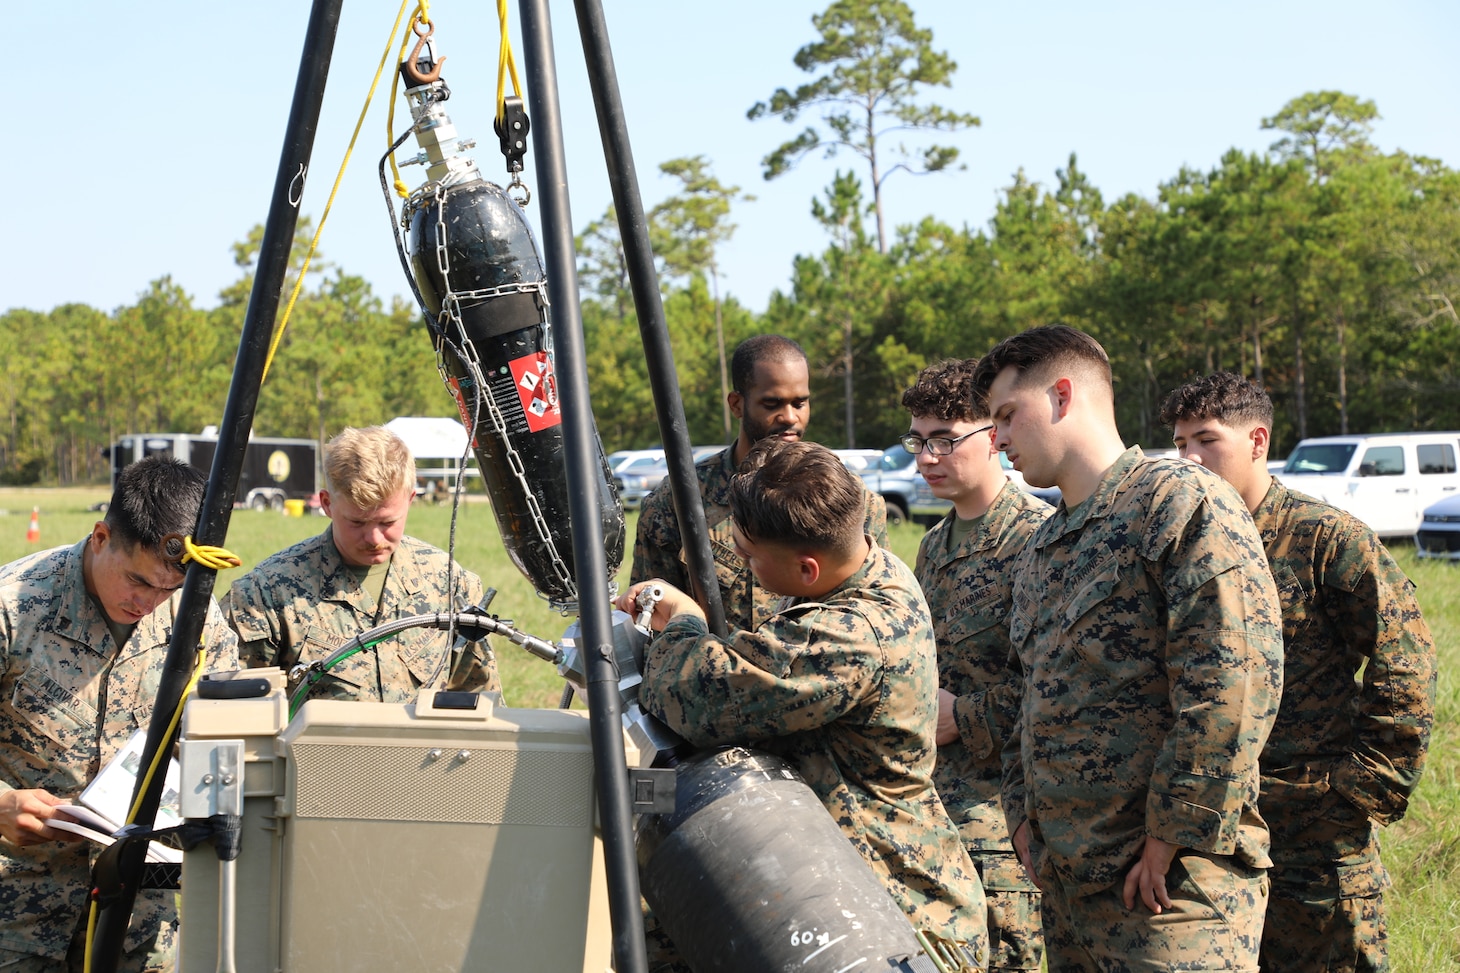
{"x":368,"y":466}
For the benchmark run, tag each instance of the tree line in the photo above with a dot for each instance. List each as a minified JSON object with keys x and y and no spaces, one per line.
{"x":74,"y":379}
{"x":1323,"y":268}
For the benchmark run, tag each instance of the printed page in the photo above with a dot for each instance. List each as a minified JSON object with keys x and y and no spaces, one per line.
{"x":110,"y":794}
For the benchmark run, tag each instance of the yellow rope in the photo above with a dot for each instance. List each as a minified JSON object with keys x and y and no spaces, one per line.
{"x":423,"y":16}
{"x":208,"y":556}
{"x":157,"y":758}
{"x":162,"y":752}
{"x":421,"y":7}
{"x":505,"y":63}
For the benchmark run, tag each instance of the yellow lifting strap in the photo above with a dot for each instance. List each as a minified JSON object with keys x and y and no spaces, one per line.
{"x":506,"y":64}
{"x":420,"y":15}
{"x":421,"y":18}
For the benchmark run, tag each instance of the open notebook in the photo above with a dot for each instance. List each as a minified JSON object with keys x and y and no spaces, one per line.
{"x":102,"y":807}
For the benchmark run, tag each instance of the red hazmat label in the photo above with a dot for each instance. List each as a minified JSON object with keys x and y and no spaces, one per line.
{"x":537,"y":390}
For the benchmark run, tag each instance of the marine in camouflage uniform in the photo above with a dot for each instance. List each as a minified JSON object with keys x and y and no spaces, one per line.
{"x":1358,"y":699}
{"x":845,"y":689}
{"x":659,"y":549}
{"x":771,"y":397}
{"x":1148,"y":629}
{"x":69,"y":700}
{"x":968,"y":589}
{"x":1347,"y":750}
{"x":304,"y":602}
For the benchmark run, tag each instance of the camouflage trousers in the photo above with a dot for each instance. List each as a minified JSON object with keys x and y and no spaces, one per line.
{"x":1327,"y":910}
{"x":156,"y":956}
{"x":1215,"y":922}
{"x":1016,"y":940}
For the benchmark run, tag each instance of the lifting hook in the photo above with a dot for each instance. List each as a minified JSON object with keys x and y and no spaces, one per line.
{"x":411,"y":70}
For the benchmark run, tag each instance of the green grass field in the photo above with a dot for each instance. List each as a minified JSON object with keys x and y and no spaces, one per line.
{"x":1422,"y":851}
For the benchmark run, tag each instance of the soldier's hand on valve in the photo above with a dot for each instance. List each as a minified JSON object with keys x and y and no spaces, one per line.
{"x":23,"y":816}
{"x":672,"y":602}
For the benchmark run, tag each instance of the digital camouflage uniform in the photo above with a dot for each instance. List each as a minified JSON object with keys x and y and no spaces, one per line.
{"x":1344,"y":754}
{"x":845,"y":688}
{"x":68,"y":702}
{"x":659,"y":552}
{"x":1149,"y":632}
{"x":968,"y":591}
{"x":305,"y":602}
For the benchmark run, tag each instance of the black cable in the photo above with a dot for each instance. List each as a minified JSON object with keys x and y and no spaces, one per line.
{"x":395,"y":233}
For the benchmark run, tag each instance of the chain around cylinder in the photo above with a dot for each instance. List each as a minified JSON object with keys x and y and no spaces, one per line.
{"x":466,"y":351}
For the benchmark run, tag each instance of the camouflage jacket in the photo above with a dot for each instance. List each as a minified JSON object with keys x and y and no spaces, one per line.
{"x":1347,"y":608}
{"x":968,"y":592}
{"x":68,"y":702}
{"x":304,"y":602}
{"x":845,"y":689}
{"x":659,"y":551}
{"x":1150,"y":634}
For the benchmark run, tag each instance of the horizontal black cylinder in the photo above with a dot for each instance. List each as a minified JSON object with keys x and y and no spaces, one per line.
{"x":750,"y":874}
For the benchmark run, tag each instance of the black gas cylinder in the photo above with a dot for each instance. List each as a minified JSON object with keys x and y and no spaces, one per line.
{"x":750,"y":874}
{"x":475,"y":257}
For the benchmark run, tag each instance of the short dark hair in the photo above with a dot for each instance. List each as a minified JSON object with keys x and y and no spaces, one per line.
{"x":1224,"y":396}
{"x":1037,"y":352}
{"x":944,"y":390}
{"x":801,"y":494}
{"x":753,"y":351}
{"x":155,"y":497}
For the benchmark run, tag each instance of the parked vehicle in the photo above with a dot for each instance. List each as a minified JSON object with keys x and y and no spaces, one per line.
{"x":636,"y":472}
{"x":1050,"y":495}
{"x":895,"y":479}
{"x":702,"y":452}
{"x":274,"y":470}
{"x":859,"y":461}
{"x":1439,"y":530}
{"x":901,"y":485}
{"x":621,"y":457}
{"x":637,"y":475}
{"x":1386,"y":480}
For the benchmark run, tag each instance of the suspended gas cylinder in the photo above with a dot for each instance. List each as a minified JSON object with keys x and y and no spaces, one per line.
{"x":749,"y":874}
{"x":480,"y":278}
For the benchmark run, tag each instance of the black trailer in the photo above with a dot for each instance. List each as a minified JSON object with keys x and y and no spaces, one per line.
{"x":274,"y":470}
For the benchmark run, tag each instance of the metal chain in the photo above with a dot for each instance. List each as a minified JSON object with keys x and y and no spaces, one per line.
{"x":450,"y":309}
{"x":467,"y":352}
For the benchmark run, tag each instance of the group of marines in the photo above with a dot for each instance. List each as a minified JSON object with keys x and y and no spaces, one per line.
{"x":1156,"y":727}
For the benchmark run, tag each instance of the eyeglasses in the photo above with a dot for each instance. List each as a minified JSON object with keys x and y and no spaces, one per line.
{"x":937,"y":445}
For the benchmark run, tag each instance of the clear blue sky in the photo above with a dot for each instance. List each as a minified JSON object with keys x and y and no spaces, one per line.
{"x":143,"y":139}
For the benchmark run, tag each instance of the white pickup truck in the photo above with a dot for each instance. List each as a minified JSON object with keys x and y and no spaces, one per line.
{"x":1386,"y":480}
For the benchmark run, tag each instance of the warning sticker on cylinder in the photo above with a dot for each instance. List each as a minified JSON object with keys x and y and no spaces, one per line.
{"x":537,"y":390}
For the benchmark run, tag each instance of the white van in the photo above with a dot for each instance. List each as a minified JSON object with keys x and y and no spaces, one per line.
{"x":1386,"y":480}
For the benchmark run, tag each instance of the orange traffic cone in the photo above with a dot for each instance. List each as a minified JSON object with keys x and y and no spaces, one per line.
{"x":33,"y":534}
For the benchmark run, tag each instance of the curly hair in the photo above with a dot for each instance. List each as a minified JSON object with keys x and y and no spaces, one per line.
{"x":799,"y":494}
{"x":945,"y":390}
{"x":1224,"y":396}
